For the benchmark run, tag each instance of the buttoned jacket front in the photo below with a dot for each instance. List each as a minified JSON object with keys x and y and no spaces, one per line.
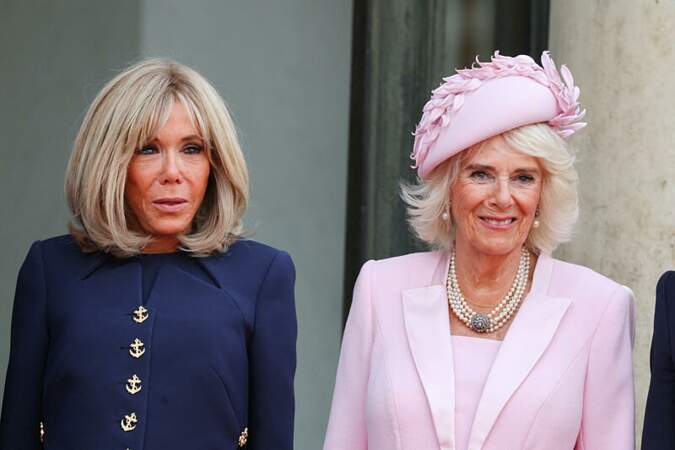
{"x":561,"y":380}
{"x":203,"y":366}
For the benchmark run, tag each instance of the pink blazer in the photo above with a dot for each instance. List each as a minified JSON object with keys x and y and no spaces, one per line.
{"x":562,"y":378}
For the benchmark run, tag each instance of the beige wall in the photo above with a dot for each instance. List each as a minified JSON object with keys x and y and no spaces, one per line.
{"x":621,"y":53}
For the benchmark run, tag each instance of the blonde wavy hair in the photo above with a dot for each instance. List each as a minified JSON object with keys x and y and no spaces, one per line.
{"x":124,"y":116}
{"x":558,"y":206}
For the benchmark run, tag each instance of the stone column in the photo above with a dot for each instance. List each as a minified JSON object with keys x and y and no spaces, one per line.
{"x":621,"y":53}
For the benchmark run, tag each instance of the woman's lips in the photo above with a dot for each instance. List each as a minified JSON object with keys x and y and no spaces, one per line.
{"x":170,"y":204}
{"x":498,"y":223}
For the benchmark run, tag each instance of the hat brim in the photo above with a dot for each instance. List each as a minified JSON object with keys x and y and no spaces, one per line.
{"x":500,"y":105}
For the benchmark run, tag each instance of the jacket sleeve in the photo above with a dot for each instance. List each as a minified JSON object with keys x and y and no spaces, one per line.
{"x":608,"y":416}
{"x":659,"y":425}
{"x":29,"y":342}
{"x":347,"y":421}
{"x":273,"y":359}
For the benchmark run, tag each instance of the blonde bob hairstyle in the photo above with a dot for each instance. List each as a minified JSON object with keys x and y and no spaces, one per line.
{"x":558,"y":206}
{"x":125,"y":115}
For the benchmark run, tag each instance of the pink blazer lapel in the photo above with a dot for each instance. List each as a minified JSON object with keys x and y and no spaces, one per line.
{"x":526,"y":340}
{"x":427,"y":325}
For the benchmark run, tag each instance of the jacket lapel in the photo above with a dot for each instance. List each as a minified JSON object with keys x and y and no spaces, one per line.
{"x":526,"y":340}
{"x":427,"y":326}
{"x":116,"y":280}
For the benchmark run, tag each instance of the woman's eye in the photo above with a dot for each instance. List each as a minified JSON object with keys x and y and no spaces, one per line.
{"x":525,"y":179}
{"x":147,"y":150}
{"x":193,"y":149}
{"x":479,"y":175}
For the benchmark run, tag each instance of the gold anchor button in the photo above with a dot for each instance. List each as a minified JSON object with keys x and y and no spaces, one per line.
{"x":136,"y":348}
{"x":133,"y":385}
{"x":129,"y":422}
{"x":243,"y":437}
{"x":140,"y":314}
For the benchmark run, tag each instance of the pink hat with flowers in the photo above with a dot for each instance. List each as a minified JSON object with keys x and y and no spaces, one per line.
{"x":491,"y":98}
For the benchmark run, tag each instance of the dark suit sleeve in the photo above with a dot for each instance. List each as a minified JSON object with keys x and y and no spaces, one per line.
{"x":273,"y":360}
{"x":659,"y":427}
{"x":22,"y":401}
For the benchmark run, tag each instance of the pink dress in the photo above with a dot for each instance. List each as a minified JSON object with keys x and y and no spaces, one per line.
{"x":473,"y":359}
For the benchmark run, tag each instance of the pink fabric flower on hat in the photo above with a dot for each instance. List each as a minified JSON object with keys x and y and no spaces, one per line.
{"x":449,"y":100}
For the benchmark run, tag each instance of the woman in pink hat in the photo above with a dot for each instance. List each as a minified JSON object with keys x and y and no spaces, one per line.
{"x":489,"y":342}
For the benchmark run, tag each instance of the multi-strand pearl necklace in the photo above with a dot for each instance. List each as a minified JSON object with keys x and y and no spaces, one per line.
{"x":500,"y":314}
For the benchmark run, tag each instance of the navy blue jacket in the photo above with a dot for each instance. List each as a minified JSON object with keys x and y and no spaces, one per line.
{"x":659,"y":427}
{"x":211,"y":359}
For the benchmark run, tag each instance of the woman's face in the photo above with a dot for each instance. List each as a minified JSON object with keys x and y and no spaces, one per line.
{"x":494,"y":199}
{"x":167,"y":179}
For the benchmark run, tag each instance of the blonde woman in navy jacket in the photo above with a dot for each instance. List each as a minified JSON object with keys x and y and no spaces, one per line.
{"x":153,"y":325}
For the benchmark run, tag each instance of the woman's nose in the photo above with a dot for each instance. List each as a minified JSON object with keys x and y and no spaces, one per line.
{"x":170,"y":168}
{"x":502,"y":195}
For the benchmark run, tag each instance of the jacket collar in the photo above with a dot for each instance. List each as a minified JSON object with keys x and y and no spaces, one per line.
{"x":428,"y":328}
{"x":93,"y":263}
{"x":122,"y":278}
{"x":98,"y":260}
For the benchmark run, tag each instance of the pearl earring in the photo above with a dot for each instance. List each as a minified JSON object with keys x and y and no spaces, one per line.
{"x":536,"y":222}
{"x":446,"y":215}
